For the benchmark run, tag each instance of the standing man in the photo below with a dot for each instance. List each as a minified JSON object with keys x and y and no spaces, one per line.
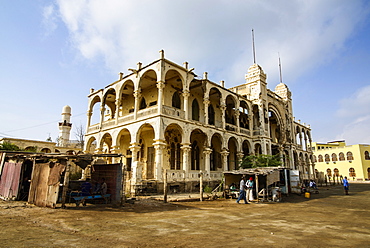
{"x":242,"y":191}
{"x":346,"y":185}
{"x":249,"y":186}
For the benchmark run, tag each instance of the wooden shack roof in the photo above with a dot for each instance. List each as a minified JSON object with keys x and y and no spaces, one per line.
{"x":254,"y":171}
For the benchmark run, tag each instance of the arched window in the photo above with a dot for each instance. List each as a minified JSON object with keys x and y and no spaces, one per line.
{"x":314,"y":159}
{"x":367,"y":157}
{"x":321,"y":158}
{"x":352,"y":172}
{"x":349,"y":156}
{"x":211,"y":115}
{"x":327,"y":158}
{"x":334,"y":157}
{"x":328,"y":172}
{"x":46,"y":150}
{"x":142,"y":103}
{"x":336,"y":172}
{"x":341,"y":156}
{"x":195,"y":110}
{"x":195,"y":156}
{"x":176,"y":100}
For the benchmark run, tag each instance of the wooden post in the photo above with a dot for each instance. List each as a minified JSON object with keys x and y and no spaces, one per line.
{"x":256,"y":176}
{"x":201,"y":185}
{"x":165,"y":186}
{"x":31,"y":194}
{"x":65,"y":184}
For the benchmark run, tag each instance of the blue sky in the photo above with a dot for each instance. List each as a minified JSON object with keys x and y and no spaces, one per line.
{"x":53,"y":52}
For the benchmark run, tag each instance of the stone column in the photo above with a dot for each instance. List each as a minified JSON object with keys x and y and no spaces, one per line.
{"x":89,"y":114}
{"x":115,"y":150}
{"x":159,"y":146}
{"x":186,"y":148}
{"x":160,"y":86}
{"x":102,"y":112}
{"x":118,"y":104}
{"x":137,"y":96}
{"x":207,"y":165}
{"x":223,"y":108}
{"x":224,"y":154}
{"x":305,"y":143}
{"x":186,"y":95}
{"x":206,"y":103}
{"x":135,"y":168}
{"x":237,"y":114}
{"x":291,"y":159}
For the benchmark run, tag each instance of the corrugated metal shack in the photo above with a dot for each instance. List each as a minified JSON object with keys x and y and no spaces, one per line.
{"x":43,"y":178}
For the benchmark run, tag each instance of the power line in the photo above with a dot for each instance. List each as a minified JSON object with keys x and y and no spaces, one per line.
{"x":39,"y":125}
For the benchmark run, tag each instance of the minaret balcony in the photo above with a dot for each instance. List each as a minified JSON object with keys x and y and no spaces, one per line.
{"x":65,"y":124}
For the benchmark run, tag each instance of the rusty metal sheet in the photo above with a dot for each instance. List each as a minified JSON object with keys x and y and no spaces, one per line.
{"x":9,"y":180}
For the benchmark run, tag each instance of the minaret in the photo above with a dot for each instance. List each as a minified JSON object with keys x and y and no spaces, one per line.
{"x":65,"y":126}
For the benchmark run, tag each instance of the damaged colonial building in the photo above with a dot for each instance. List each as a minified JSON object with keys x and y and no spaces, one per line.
{"x":163,"y":118}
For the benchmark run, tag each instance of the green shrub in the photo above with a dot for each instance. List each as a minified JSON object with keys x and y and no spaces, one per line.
{"x":7,"y":146}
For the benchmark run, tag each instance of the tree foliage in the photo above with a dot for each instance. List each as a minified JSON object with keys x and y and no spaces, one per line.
{"x":260,"y":160}
{"x":7,"y":146}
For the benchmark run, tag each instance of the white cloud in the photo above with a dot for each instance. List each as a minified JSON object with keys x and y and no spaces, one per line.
{"x":355,"y":106}
{"x":354,"y":112}
{"x":49,"y":19}
{"x":214,"y":36}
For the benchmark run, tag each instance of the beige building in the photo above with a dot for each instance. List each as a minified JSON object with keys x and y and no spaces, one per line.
{"x":336,"y":159}
{"x":162,"y":116}
{"x":64,"y":144}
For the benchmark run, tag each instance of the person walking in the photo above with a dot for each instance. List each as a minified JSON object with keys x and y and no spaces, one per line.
{"x":242,"y":191}
{"x":346,"y":185}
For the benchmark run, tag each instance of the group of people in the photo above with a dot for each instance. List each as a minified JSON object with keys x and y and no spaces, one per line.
{"x":99,"y":188}
{"x":246,"y":190}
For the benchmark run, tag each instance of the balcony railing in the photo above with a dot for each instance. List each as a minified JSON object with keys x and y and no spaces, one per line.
{"x":256,"y":132}
{"x":125,"y":118}
{"x":93,"y":128}
{"x":148,"y":111}
{"x":108,"y":123}
{"x":231,"y":127}
{"x":167,"y":110}
{"x":216,"y":175}
{"x":193,"y":175}
{"x":175,"y":175}
{"x":245,"y":131}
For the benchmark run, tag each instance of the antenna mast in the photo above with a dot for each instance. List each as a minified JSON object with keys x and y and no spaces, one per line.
{"x":254,"y":49}
{"x":281,"y":75}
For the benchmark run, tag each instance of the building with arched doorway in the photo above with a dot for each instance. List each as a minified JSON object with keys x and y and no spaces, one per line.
{"x":62,"y":145}
{"x":335,"y":160}
{"x":162,"y":116}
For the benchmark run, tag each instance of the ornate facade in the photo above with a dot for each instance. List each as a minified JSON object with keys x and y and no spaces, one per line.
{"x":163,"y":117}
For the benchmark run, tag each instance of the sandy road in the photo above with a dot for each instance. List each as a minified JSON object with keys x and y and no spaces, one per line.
{"x":326,"y":219}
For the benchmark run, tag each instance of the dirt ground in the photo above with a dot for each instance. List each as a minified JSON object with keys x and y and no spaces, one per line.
{"x":329,"y":218}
